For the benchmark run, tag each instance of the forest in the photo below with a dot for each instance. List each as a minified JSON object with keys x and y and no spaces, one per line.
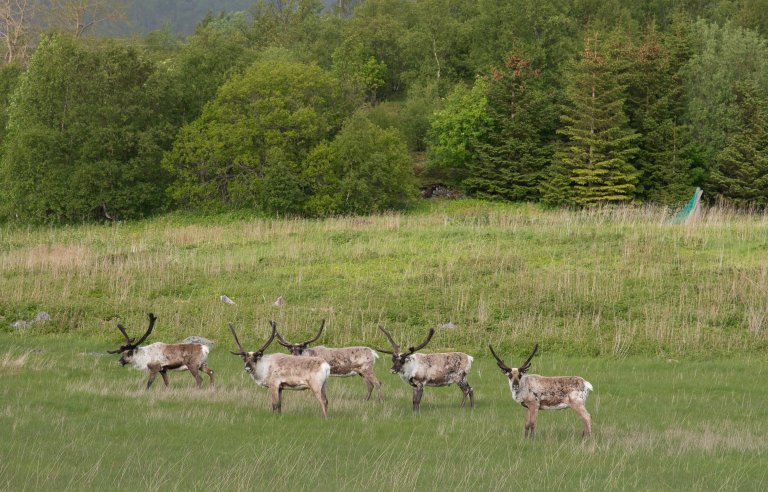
{"x":300,"y":108}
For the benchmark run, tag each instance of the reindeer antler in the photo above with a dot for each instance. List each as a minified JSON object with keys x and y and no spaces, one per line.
{"x":129,"y":342}
{"x":322,"y":325}
{"x":125,"y":334}
{"x":424,"y":343}
{"x":234,"y":334}
{"x":395,"y":346}
{"x":282,"y":341}
{"x":152,"y":319}
{"x":274,"y":333}
{"x":499,"y":362}
{"x":527,"y":362}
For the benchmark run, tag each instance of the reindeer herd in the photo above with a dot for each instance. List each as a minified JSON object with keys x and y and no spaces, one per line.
{"x":309,"y":368}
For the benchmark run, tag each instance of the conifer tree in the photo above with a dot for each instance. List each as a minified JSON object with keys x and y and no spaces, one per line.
{"x":740,"y":174}
{"x":596,"y":157}
{"x":655,"y":109}
{"x":513,"y":152}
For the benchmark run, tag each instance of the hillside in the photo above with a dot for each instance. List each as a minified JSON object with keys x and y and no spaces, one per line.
{"x":611,"y":282}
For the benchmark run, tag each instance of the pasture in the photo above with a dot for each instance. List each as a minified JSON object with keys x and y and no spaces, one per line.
{"x":668,"y":323}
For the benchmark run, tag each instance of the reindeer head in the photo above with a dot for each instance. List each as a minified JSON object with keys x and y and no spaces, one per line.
{"x":514,"y":374}
{"x":299,"y":348}
{"x":398,"y":357}
{"x":128,"y":350}
{"x":252,"y":358}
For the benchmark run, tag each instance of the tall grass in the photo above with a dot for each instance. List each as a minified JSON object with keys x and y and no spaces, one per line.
{"x":616,"y":281}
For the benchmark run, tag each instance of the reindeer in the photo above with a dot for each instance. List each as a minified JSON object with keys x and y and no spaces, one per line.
{"x":421,"y":370}
{"x":282,"y":371}
{"x":346,"y":361}
{"x":161,"y":357}
{"x":536,"y":392}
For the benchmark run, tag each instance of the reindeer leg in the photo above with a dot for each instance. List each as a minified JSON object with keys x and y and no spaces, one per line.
{"x":322,"y":398}
{"x":209,"y":372}
{"x":372,"y":382}
{"x":378,"y":389}
{"x":277,"y":397}
{"x":152,"y":376}
{"x":471,"y":394}
{"x":195,"y":374}
{"x":418,"y":390}
{"x":530,"y":424}
{"x":585,"y":417}
{"x":467,"y":390}
{"x":164,"y":373}
{"x":370,"y":388}
{"x":463,"y":389}
{"x":153,"y":370}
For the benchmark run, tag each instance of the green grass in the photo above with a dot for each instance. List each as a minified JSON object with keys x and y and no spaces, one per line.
{"x":73,"y":420}
{"x":612,"y":282}
{"x":669,"y":323}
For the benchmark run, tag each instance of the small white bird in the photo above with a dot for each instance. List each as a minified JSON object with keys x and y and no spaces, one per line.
{"x":225,"y":299}
{"x":280,"y":301}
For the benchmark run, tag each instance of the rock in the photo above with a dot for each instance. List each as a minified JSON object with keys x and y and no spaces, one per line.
{"x":448,"y":326}
{"x":41,"y":317}
{"x":439,"y":191}
{"x":226,"y":300}
{"x":280,"y":301}
{"x":201,"y":340}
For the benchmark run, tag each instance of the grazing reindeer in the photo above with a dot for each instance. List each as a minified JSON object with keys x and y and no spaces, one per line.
{"x":282,"y":371}
{"x":161,"y":357}
{"x":346,"y":361}
{"x":546,"y":393}
{"x":441,"y":369}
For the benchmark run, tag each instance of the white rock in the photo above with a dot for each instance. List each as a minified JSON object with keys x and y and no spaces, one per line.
{"x":226,"y":300}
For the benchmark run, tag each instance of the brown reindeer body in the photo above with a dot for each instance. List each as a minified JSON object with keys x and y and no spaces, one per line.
{"x":159,"y":358}
{"x":344,"y":362}
{"x":441,"y":369}
{"x":551,"y":393}
{"x":420,"y":370}
{"x":536,"y":393}
{"x":282,"y":371}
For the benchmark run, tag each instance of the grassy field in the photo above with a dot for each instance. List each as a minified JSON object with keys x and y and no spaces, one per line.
{"x":612,"y":282}
{"x":669,"y":323}
{"x":69,"y":419}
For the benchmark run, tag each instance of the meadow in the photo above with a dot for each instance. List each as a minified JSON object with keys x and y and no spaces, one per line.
{"x":668,"y":323}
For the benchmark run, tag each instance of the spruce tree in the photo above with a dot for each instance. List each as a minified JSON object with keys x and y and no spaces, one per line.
{"x":514,"y":151}
{"x":655,"y":109}
{"x":599,"y":144}
{"x":740,"y":175}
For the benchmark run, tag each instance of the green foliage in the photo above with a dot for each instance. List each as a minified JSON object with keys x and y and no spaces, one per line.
{"x":599,"y":147}
{"x":411,"y":117}
{"x":219,"y":48}
{"x":457,"y":128}
{"x":83,"y":138}
{"x":246,"y":148}
{"x":740,"y":174}
{"x":515,"y":148}
{"x":9,"y":77}
{"x":408,"y":65}
{"x":723,"y":56}
{"x":656,"y":108}
{"x":361,"y":75}
{"x":365,"y":169}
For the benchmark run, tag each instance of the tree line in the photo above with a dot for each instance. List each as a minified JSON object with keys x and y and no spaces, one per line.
{"x":294,"y":108}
